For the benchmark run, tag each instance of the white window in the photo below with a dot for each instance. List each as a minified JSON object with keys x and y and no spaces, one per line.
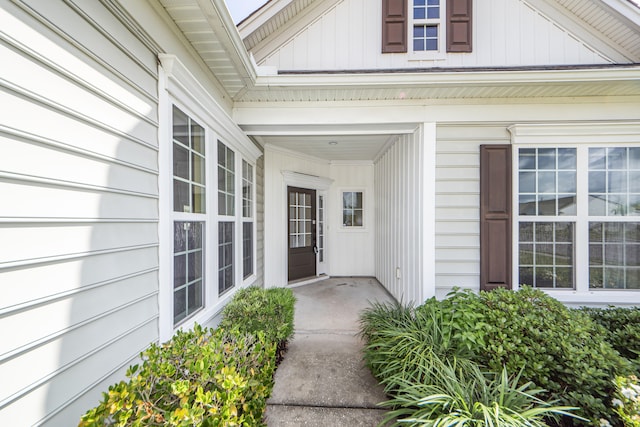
{"x":578,"y":217}
{"x":226,"y":221}
{"x":189,"y":195}
{"x":352,"y":209}
{"x":427,"y":25}
{"x":247,"y":220}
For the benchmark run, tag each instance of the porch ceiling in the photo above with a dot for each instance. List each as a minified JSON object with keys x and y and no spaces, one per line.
{"x":331,"y":142}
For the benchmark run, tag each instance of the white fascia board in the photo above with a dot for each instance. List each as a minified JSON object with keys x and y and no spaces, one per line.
{"x":217,"y":10}
{"x":626,"y":9}
{"x":261,"y":16}
{"x":330,"y":129}
{"x":452,"y":78}
{"x":571,"y":133}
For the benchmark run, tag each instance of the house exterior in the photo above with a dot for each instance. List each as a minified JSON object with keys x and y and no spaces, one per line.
{"x":154,"y":159}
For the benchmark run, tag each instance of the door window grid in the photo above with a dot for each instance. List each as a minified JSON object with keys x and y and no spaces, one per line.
{"x":321,"y":228}
{"x":188,"y":164}
{"x":226,"y":180}
{"x":225,"y":257}
{"x":188,"y":289}
{"x":300,"y":226}
{"x":352,"y":209}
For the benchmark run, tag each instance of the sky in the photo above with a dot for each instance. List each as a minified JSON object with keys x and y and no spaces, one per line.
{"x":240,"y":9}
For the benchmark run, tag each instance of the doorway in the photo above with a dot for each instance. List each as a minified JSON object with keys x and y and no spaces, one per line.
{"x":301,"y":232}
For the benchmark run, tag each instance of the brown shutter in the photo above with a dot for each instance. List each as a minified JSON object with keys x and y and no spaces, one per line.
{"x":394,"y":26}
{"x":495,"y":217}
{"x":459,"y":24}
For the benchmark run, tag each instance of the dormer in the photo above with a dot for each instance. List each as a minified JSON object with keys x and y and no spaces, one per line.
{"x":427,"y":29}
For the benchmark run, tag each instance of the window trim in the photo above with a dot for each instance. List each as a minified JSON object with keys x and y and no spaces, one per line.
{"x":580,"y":136}
{"x":352,"y":228}
{"x":441,"y":23}
{"x":177,"y":86}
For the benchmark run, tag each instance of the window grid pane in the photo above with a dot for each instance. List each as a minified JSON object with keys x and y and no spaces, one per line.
{"x":226,"y":180}
{"x":426,"y":9}
{"x":188,"y":164}
{"x":247,"y":249}
{"x":188,"y":269}
{"x":225,"y":257}
{"x":614,"y":255}
{"x":352,"y":209}
{"x":547,"y":181}
{"x":546,"y":254}
{"x":425,"y":37}
{"x":247,"y":190}
{"x":614,"y":181}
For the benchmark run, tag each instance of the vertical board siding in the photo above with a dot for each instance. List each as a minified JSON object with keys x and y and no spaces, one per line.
{"x":400,"y":218}
{"x":458,"y":203}
{"x":348,"y":37}
{"x":78,"y":222}
{"x":351,"y":251}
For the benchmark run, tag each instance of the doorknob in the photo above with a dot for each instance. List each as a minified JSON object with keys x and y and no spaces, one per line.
{"x":315,"y":250}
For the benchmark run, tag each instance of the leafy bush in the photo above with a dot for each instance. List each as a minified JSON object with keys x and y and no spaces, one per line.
{"x":558,"y":349}
{"x":268,"y":310}
{"x":201,"y":377}
{"x":626,"y":401}
{"x":623,"y":329}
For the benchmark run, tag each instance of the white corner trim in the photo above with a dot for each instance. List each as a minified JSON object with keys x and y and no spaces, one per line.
{"x":306,"y":181}
{"x":576,"y":133}
{"x":182,"y":84}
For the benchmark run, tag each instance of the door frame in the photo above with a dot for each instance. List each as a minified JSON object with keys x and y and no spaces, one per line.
{"x":301,"y":180}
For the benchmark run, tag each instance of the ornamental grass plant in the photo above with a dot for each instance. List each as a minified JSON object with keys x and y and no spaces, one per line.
{"x":550,"y":355}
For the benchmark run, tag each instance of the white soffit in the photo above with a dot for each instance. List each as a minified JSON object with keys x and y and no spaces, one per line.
{"x":540,"y":83}
{"x":209,"y":28}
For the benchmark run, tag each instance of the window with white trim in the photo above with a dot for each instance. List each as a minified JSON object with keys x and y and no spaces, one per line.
{"x":189,"y":191}
{"x":226,"y":220}
{"x":427,"y":25}
{"x":352,"y":209}
{"x":247,"y":219}
{"x":578,"y":211}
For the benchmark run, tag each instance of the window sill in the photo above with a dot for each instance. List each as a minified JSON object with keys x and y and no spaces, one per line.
{"x":596,"y":297}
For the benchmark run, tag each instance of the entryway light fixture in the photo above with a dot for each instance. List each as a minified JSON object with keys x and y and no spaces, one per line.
{"x":333,"y":142}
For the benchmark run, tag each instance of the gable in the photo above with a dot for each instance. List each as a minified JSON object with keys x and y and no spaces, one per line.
{"x":506,"y":33}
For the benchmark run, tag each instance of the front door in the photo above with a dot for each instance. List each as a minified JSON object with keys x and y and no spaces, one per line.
{"x":302,"y":232}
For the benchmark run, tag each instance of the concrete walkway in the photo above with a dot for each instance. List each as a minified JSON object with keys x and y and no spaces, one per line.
{"x":322,"y":380}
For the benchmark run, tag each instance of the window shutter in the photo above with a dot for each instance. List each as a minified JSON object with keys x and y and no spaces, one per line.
{"x":394,"y":26}
{"x":495,"y":217}
{"x":459,"y":25}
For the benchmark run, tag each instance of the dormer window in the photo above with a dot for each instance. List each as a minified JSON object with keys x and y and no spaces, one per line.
{"x":426,"y":25}
{"x":429,"y":25}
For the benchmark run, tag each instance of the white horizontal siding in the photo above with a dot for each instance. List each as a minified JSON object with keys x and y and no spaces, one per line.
{"x":457,"y":240}
{"x":348,"y":37}
{"x":79,"y":217}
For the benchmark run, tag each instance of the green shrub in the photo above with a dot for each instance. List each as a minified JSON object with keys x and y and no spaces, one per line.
{"x":623,"y":329}
{"x":255,"y":309}
{"x":202,"y":377}
{"x":558,"y":349}
{"x":626,"y":401}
